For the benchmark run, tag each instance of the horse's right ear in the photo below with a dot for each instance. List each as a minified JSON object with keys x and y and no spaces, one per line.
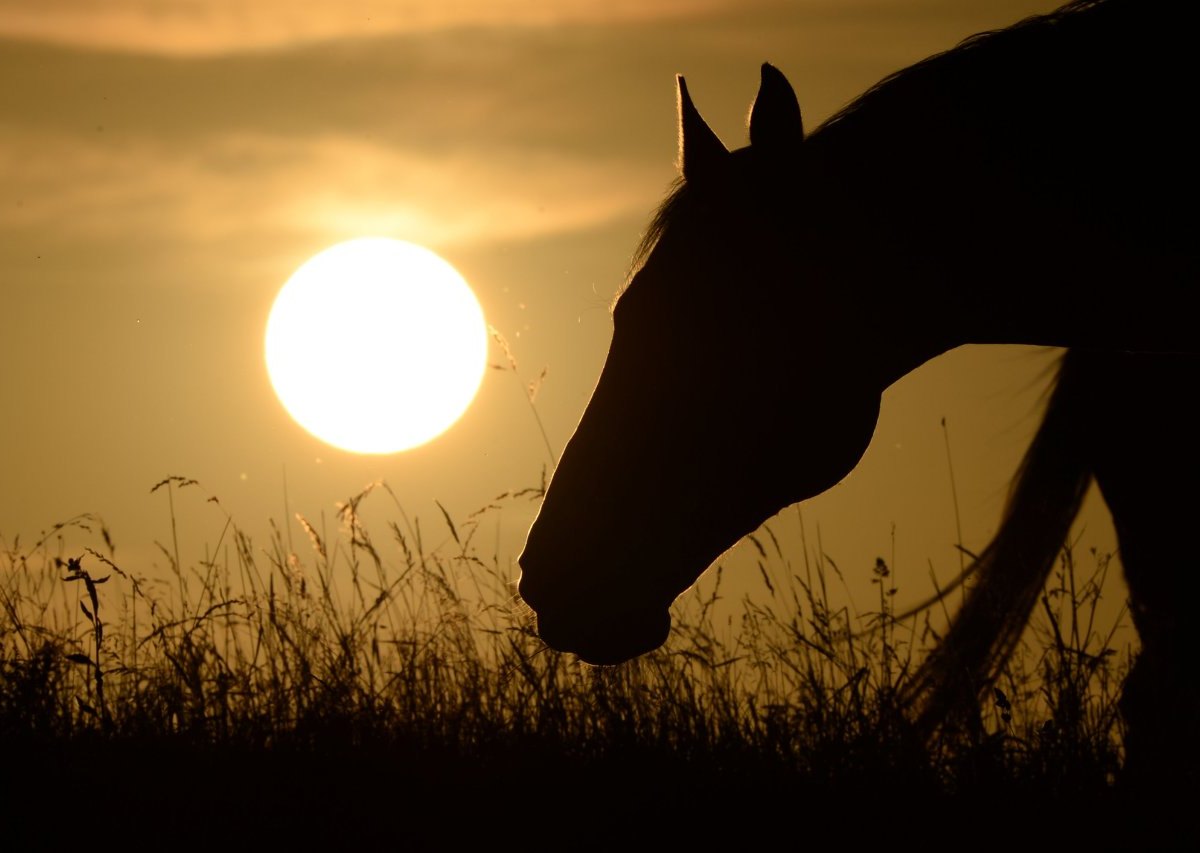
{"x":775,"y":121}
{"x":700,"y":151}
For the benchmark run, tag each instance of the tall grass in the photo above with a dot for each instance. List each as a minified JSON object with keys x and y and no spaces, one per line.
{"x":369,"y":645}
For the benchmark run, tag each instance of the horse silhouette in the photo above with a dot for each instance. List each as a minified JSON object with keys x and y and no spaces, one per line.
{"x":1033,"y":185}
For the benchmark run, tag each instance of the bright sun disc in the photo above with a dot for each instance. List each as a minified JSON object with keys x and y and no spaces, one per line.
{"x":376,"y":345}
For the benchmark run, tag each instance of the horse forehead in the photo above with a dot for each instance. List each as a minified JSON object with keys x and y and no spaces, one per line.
{"x":752,"y":171}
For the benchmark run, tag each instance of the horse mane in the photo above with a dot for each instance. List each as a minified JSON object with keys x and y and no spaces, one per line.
{"x":664,"y":215}
{"x":973,"y":50}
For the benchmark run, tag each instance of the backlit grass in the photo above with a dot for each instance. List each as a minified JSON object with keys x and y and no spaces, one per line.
{"x":360,"y":679}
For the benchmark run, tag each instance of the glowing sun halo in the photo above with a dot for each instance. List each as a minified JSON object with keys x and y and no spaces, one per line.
{"x":376,"y":345}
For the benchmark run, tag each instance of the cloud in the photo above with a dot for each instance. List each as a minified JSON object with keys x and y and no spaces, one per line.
{"x":456,"y":139}
{"x":460,"y":138}
{"x":246,"y":187}
{"x":204,"y":27}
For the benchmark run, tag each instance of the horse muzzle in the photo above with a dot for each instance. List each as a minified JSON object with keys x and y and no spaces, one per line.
{"x":602,"y":634}
{"x":591,"y":613}
{"x":614,"y":639}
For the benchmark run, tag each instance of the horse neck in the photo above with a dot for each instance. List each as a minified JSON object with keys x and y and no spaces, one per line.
{"x":1009,"y":207}
{"x":937,"y":277}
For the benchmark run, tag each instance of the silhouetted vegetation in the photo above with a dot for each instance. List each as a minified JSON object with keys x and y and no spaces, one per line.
{"x":362,"y":684}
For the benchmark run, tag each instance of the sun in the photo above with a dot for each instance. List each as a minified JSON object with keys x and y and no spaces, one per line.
{"x":376,"y":345}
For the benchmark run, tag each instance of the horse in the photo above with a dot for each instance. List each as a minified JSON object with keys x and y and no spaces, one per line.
{"x":1033,"y":185}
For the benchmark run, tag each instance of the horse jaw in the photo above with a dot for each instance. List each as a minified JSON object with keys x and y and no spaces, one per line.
{"x":614,"y":545}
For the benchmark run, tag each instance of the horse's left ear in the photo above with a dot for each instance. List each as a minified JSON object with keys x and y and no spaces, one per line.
{"x":775,"y":117}
{"x":700,"y":150}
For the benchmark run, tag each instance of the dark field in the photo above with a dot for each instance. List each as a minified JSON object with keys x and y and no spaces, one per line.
{"x":361,"y":688}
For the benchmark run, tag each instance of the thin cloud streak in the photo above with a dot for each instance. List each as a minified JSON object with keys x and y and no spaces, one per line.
{"x":333,"y":186}
{"x":206,"y":27}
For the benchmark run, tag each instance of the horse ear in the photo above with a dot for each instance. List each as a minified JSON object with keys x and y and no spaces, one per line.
{"x":775,"y":117}
{"x":699,"y":148}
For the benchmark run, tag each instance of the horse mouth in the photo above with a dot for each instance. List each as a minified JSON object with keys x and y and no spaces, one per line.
{"x":602,"y":622}
{"x":617,"y":638}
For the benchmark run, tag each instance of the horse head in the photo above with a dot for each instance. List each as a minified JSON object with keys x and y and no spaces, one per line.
{"x":727,"y":394}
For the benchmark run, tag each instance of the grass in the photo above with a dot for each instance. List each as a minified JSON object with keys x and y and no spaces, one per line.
{"x":365,"y":686}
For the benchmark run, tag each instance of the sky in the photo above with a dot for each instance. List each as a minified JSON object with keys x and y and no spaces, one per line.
{"x":167,"y":164}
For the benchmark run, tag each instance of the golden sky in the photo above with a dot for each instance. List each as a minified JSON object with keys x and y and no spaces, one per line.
{"x":199,"y":27}
{"x":167,"y":164}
